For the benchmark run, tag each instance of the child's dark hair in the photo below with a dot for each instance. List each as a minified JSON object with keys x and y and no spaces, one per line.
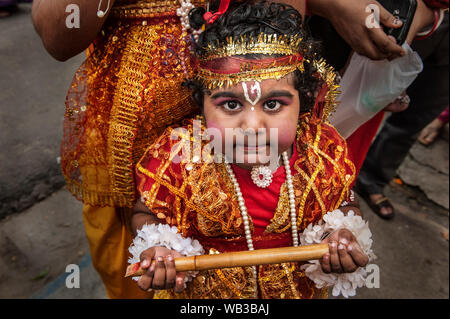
{"x":250,"y":19}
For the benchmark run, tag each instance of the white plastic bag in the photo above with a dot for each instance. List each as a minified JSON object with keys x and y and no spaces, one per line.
{"x":368,"y":86}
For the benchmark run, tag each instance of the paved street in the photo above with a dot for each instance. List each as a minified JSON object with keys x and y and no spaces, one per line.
{"x":41,"y":227}
{"x":33,"y":90}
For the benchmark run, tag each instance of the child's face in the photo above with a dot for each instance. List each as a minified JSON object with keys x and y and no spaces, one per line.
{"x":265,"y":112}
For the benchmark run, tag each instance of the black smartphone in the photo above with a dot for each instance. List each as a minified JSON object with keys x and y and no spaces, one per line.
{"x":404,"y":10}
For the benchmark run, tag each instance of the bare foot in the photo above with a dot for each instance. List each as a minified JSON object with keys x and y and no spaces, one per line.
{"x":430,"y":132}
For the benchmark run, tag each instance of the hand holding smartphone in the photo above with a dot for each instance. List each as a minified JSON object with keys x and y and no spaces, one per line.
{"x":404,"y":10}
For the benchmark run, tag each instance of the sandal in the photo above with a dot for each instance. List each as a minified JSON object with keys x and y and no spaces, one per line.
{"x":382,"y":202}
{"x":377,"y":205}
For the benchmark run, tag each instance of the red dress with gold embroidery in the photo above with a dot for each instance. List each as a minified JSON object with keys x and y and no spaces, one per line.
{"x":199,"y":199}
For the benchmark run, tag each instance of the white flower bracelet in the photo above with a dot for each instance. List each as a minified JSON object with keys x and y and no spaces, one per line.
{"x":165,"y":236}
{"x":345,"y":283}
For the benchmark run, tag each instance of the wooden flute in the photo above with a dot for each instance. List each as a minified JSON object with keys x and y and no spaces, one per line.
{"x":242,"y":258}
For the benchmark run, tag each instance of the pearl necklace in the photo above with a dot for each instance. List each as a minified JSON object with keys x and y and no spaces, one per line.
{"x":183,"y":13}
{"x":244,"y":213}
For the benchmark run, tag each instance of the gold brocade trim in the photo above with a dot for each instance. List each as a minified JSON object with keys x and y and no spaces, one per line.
{"x":329,"y":76}
{"x":149,"y":9}
{"x":348,"y":178}
{"x":268,"y":44}
{"x":290,"y":278}
{"x":231,"y":190}
{"x":170,"y":187}
{"x":280,"y":222}
{"x":280,"y":217}
{"x":126,"y":106}
{"x":121,"y":99}
{"x":318,"y":154}
{"x":92,"y":197}
{"x":310,"y":180}
{"x":214,"y":80}
{"x":310,"y":185}
{"x":228,"y":283}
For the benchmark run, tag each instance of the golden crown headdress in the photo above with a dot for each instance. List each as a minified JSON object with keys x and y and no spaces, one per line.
{"x":228,"y":63}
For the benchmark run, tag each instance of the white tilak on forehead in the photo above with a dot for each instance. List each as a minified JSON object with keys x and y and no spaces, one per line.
{"x":255,"y":90}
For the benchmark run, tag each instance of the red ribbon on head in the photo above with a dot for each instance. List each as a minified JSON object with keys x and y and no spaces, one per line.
{"x":233,"y":65}
{"x":211,"y":17}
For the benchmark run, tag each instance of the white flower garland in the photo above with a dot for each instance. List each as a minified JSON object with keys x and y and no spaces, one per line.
{"x":345,"y":283}
{"x":166,"y":236}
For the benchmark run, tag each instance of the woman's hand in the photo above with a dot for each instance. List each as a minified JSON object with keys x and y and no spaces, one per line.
{"x":349,"y":18}
{"x":160,"y":270}
{"x":345,"y":253}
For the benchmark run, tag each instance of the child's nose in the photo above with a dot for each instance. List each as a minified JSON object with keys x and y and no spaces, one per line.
{"x":253,"y":120}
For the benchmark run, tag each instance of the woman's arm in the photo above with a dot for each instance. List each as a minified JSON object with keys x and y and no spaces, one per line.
{"x":349,"y":16}
{"x":62,"y":42}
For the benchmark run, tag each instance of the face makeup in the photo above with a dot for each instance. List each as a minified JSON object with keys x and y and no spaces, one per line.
{"x":254,"y":95}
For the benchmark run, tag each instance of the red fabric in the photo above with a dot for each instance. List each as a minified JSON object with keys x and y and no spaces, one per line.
{"x":211,"y":17}
{"x":359,"y":142}
{"x":232,"y":65}
{"x":265,"y":241}
{"x":435,"y":26}
{"x":437,"y":4}
{"x":444,"y":116}
{"x":260,"y":204}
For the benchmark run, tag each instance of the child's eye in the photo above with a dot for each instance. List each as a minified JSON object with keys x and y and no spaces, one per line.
{"x":272,"y":105}
{"x":231,"y":105}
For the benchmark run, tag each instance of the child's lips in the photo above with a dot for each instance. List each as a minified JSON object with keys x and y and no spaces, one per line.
{"x":251,"y":148}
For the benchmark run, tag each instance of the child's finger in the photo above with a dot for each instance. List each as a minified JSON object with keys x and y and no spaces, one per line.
{"x":346,"y":260}
{"x":146,"y":258}
{"x":145,"y":281}
{"x":325,"y":263}
{"x":345,"y":236}
{"x":179,"y":276}
{"x":170,"y":272}
{"x":160,"y":274}
{"x":358,"y":256}
{"x":334,"y":258}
